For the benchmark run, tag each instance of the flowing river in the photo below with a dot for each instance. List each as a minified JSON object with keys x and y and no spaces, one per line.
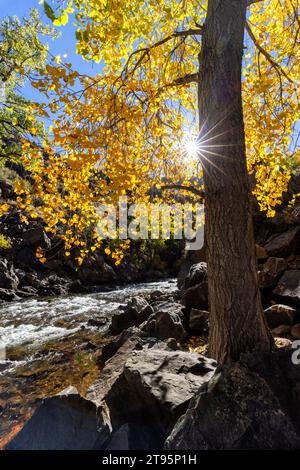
{"x":48,"y":344}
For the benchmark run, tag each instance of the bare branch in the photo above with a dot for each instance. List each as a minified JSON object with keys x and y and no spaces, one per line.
{"x":181,"y":187}
{"x":266,"y":54}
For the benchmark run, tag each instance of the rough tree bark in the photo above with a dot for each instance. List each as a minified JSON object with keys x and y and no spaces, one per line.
{"x":237,"y":322}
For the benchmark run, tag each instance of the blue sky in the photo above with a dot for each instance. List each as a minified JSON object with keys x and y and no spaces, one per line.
{"x":65,"y":44}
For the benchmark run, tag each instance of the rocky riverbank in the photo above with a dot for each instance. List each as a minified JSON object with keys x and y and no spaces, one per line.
{"x":156,"y":391}
{"x":156,"y":387}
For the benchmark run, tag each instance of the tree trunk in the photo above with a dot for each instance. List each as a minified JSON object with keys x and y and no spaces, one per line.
{"x":237,"y":322}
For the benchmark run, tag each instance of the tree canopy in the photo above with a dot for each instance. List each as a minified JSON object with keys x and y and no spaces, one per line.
{"x":123,"y":131}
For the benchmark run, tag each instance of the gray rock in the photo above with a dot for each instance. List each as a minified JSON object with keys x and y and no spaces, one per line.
{"x":166,"y":322}
{"x":270,"y":272}
{"x":134,"y":313}
{"x":288,"y":288}
{"x":64,"y":422}
{"x":248,"y":405}
{"x":157,"y":385}
{"x":284,"y":244}
{"x":199,"y":321}
{"x":196,"y":297}
{"x":279,"y":314}
{"x":196,"y":275}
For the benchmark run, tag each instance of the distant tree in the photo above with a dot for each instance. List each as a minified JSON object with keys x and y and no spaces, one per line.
{"x":22,"y":56}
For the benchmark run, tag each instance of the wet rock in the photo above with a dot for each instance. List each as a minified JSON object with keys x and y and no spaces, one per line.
{"x":278,"y":315}
{"x":295,"y":331}
{"x":97,"y":321}
{"x":199,"y":321}
{"x":196,"y":297}
{"x":270,"y":272}
{"x":284,"y":244}
{"x":157,"y":385}
{"x":288,"y":288}
{"x":64,"y":422}
{"x":196,"y":275}
{"x":166,"y":322}
{"x":134,"y":313}
{"x":247,"y":405}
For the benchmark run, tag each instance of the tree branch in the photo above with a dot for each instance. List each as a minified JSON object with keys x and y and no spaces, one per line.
{"x":266,"y":54}
{"x":146,"y":50}
{"x":191,"y":189}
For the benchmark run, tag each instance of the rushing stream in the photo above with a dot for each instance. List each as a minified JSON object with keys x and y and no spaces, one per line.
{"x":49,"y":344}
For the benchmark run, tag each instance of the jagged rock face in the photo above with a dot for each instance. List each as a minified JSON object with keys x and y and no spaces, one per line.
{"x":249,"y":405}
{"x":288,"y":288}
{"x":64,"y":422}
{"x":156,"y":385}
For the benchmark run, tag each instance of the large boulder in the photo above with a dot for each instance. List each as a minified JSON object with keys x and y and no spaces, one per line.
{"x":64,"y":422}
{"x":196,"y":297}
{"x":288,"y":288}
{"x":196,"y":275}
{"x":253,"y":404}
{"x":156,"y":386}
{"x":270,"y":272}
{"x":134,"y":313}
{"x":284,"y":244}
{"x":278,"y":315}
{"x":166,"y":322}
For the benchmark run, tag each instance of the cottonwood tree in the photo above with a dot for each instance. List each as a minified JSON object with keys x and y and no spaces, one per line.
{"x":119,"y":128}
